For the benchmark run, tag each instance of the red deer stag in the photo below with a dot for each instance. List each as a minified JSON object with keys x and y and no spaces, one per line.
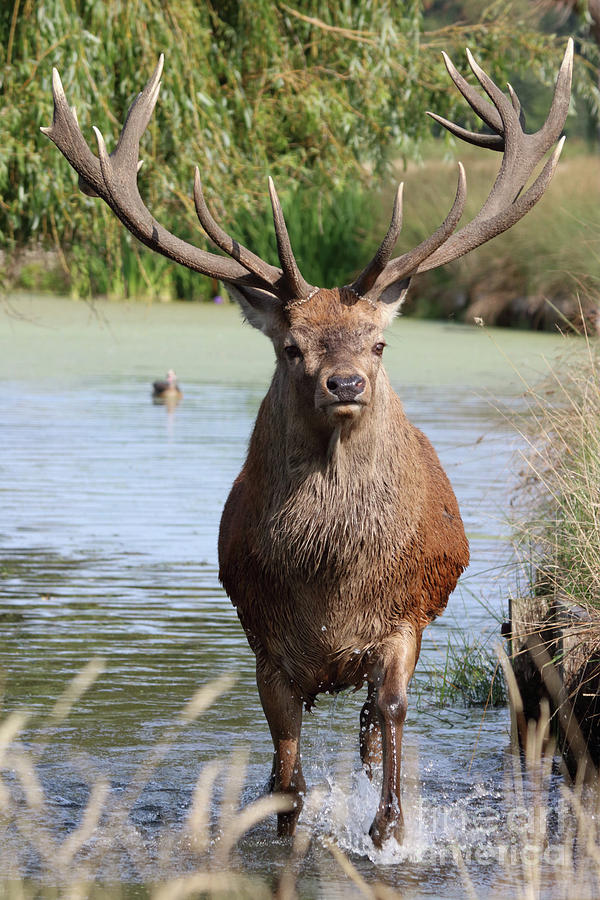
{"x":341,"y":538}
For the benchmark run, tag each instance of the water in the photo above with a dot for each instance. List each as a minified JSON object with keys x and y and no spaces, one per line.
{"x":109,"y":512}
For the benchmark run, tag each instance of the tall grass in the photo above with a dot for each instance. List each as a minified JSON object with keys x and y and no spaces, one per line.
{"x":38,"y":858}
{"x":560,"y":531}
{"x":555,"y":622}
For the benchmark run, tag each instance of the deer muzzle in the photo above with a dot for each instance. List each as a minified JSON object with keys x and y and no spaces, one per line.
{"x":343,"y":394}
{"x":346,"y":388}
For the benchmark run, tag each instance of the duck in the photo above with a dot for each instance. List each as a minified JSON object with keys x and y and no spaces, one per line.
{"x":167,"y":390}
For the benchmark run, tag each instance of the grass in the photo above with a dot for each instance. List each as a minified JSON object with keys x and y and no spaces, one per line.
{"x":470,"y":675}
{"x":560,"y":533}
{"x":555,"y":642}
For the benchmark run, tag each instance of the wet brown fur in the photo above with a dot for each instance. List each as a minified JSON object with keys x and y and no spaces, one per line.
{"x":340,"y":534}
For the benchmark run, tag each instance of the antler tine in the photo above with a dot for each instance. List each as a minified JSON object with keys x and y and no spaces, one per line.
{"x":298,"y":288}
{"x":554,"y":124}
{"x":505,"y":204}
{"x":516,"y":104}
{"x":489,"y":141}
{"x":408,"y":263}
{"x":249,"y":260}
{"x":504,"y":106}
{"x":531,"y":196}
{"x":369,"y":275}
{"x":486,"y":112}
{"x":138,"y":117}
{"x":67,"y":136}
{"x":114,"y":179}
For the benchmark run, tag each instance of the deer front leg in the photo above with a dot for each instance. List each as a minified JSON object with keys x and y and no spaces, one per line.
{"x":391,"y":676}
{"x":283,"y":711}
{"x":370,"y":733}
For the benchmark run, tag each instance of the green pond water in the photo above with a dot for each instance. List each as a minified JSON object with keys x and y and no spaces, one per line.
{"x":109,"y":512}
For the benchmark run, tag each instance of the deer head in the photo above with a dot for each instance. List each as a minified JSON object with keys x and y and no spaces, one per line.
{"x":328,"y":342}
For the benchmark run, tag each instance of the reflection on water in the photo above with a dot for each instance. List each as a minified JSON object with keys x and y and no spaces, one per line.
{"x":110,"y":511}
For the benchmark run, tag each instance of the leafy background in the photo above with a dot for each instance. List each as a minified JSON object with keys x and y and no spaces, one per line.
{"x":327,"y":98}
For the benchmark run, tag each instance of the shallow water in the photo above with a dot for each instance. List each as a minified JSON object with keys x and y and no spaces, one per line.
{"x":109,"y":512}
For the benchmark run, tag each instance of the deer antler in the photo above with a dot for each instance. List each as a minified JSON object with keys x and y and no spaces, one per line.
{"x":114,"y":178}
{"x":505,"y":204}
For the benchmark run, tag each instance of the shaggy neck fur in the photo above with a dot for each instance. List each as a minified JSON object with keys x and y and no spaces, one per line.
{"x":331,"y":497}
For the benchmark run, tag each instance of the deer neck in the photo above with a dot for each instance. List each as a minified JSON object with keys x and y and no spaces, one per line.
{"x":325,"y":495}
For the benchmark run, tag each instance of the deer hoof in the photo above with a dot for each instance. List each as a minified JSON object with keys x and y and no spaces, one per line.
{"x":383,"y":829}
{"x":286,"y":823}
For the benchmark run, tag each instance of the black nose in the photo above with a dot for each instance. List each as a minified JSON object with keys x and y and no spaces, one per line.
{"x":346,"y":387}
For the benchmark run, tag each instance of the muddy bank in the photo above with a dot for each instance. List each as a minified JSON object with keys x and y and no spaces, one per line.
{"x":554,"y":647}
{"x":502,"y":300}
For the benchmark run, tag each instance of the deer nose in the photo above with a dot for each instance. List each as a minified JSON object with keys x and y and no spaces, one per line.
{"x":346,"y":387}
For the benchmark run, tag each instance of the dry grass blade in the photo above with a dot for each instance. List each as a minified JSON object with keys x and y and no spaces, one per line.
{"x":460,"y":865}
{"x":198,"y":821}
{"x":236,"y":774}
{"x":346,"y":866}
{"x":32,"y":789}
{"x":250,"y":816}
{"x":227,"y":884}
{"x":10,"y":728}
{"x":567,"y":718}
{"x":516,"y":701}
{"x":75,"y":690}
{"x":206,"y":696}
{"x":199,"y":703}
{"x":85,"y":830}
{"x":287,"y":882}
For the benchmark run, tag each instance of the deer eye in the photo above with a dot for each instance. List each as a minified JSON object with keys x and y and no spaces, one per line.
{"x":293,"y":352}
{"x":378,"y":348}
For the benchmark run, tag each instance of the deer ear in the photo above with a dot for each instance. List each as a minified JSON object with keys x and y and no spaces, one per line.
{"x":391,"y":299}
{"x":260,"y":308}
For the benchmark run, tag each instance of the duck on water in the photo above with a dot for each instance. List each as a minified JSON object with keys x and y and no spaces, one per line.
{"x":167,"y":390}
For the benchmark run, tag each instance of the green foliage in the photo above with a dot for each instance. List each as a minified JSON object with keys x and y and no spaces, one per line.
{"x":470,"y":675}
{"x":333,"y":234}
{"x":319,"y":95}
